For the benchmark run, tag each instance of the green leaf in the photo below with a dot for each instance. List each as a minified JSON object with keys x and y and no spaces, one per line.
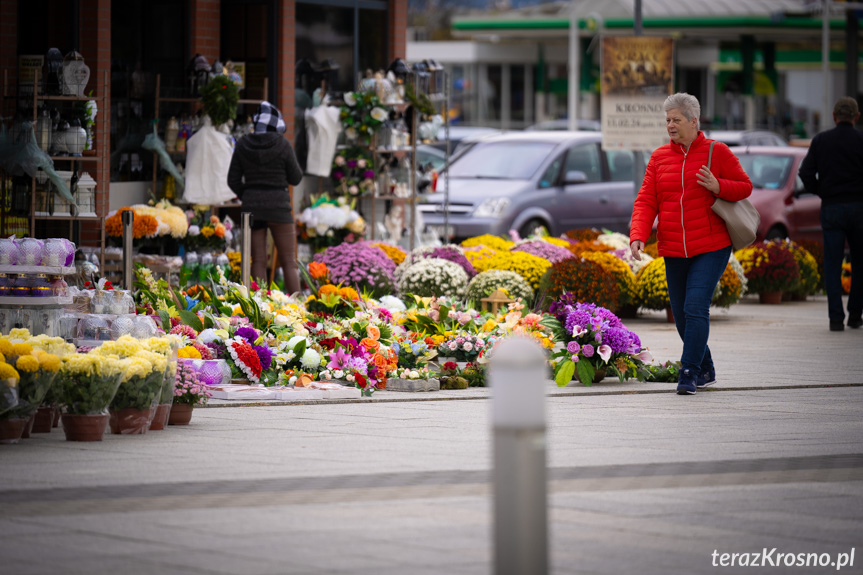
{"x":226,"y":310}
{"x":209,"y":322}
{"x":300,"y":349}
{"x":166,"y":319}
{"x":565,"y":371}
{"x":586,"y":373}
{"x":189,"y":318}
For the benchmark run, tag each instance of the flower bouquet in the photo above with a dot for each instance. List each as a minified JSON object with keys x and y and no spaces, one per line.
{"x":244,"y":361}
{"x":361,"y":116}
{"x":88,"y":383}
{"x":353,"y":172}
{"x":465,"y":347}
{"x":485,"y":283}
{"x":133,"y":407}
{"x":208,"y":234}
{"x":434,"y":276}
{"x":769,"y":267}
{"x":11,"y":425}
{"x":37,"y":371}
{"x":596,"y":344}
{"x":330,"y":222}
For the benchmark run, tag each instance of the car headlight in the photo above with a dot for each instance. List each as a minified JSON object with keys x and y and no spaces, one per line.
{"x":492,"y":208}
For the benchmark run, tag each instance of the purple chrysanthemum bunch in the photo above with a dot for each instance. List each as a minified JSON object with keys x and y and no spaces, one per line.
{"x":218,"y":348}
{"x":361,"y":265}
{"x":544,"y":249}
{"x":265,"y":355}
{"x":250,"y":334}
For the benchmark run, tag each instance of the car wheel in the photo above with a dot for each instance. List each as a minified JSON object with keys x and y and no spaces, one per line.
{"x":530,"y":227}
{"x":776,"y":233}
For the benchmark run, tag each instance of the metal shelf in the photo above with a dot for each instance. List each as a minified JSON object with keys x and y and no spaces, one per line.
{"x":75,"y":158}
{"x":35,"y":300}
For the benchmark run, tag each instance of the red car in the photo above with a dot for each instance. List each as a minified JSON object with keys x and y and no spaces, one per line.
{"x":778,"y":194}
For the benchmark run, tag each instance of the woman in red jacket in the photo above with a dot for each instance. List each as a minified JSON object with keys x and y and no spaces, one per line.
{"x":680,"y":189}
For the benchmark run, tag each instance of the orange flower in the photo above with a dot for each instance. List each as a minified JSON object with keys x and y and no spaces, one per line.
{"x":220,"y":230}
{"x":327,"y":289}
{"x":142,"y":226}
{"x":373,"y":332}
{"x":349,"y":293}
{"x":370,"y":344}
{"x":379,"y":361}
{"x":214,"y":219}
{"x":318,"y":270}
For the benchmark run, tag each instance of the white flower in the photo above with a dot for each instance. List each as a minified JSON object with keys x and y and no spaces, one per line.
{"x":350,"y":99}
{"x":311,"y":359}
{"x":379,"y":114}
{"x":468,"y":346}
{"x":353,"y":190}
{"x":208,"y":336}
{"x":339,"y":161}
{"x":604,"y":352}
{"x":194,"y":231}
{"x":338,"y":374}
{"x":282,"y":320}
{"x":361,"y":163}
{"x":414,"y":375}
{"x":292,"y":343}
{"x":351,"y":133}
{"x":350,"y":377}
{"x":392,"y":303}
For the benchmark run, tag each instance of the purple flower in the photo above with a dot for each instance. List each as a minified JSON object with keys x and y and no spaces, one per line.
{"x":573,"y":347}
{"x":219,"y":350}
{"x":357,"y":265}
{"x":618,"y":339}
{"x":250,"y":334}
{"x":634,"y":343}
{"x":577,"y":317}
{"x":587,"y":350}
{"x":352,"y":164}
{"x":338,"y":360}
{"x":368,"y":174}
{"x":544,"y":249}
{"x":264,"y":355}
{"x":338,"y":176}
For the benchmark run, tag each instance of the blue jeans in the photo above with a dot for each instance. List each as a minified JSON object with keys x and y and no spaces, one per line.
{"x":840,"y":222}
{"x":691,"y":282}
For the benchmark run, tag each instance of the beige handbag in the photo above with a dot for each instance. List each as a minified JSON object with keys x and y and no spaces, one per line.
{"x":741,"y":217}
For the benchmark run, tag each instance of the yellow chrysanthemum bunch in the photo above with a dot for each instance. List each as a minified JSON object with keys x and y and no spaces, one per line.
{"x":91,"y":364}
{"x":556,"y":241}
{"x":394,"y":253}
{"x":53,"y":345}
{"x":135,"y":367}
{"x":494,"y":242}
{"x":652,"y":286}
{"x":19,"y":333}
{"x":21,"y":349}
{"x":27,"y":363}
{"x":528,"y":266}
{"x":5,"y":346}
{"x":189,"y":352}
{"x":160,"y":345}
{"x":158,"y":360}
{"x":125,"y":346}
{"x":48,"y":361}
{"x":481,"y":252}
{"x":621,"y":272}
{"x":8,"y":372}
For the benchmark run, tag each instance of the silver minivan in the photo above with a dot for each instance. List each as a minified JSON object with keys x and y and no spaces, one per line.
{"x":523,"y":180}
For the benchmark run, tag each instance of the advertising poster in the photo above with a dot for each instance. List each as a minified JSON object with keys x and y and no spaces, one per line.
{"x":637,"y":76}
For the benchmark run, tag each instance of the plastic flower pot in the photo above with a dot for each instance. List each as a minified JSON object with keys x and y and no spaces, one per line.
{"x":11,"y":429}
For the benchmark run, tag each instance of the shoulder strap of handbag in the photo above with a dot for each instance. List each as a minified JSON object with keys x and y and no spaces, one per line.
{"x":710,"y":154}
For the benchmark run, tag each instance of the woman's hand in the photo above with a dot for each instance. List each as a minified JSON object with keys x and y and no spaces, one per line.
{"x":708,"y":180}
{"x":636,"y":248}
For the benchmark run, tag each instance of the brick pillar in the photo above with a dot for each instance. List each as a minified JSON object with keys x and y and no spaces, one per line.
{"x":9,"y":45}
{"x":398,"y":26}
{"x":286,"y":63}
{"x":205,"y":29}
{"x":94,"y":30}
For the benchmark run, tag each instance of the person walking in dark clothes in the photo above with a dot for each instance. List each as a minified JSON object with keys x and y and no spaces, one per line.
{"x":263,"y":166}
{"x":833,"y":170}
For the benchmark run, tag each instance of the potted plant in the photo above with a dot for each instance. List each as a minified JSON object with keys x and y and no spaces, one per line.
{"x":37,"y":372}
{"x":487,"y":282}
{"x":168,"y":349}
{"x":810,"y":278}
{"x":188,"y":393}
{"x":11,"y":424}
{"x":88,"y":383}
{"x":134,"y":405}
{"x":434,"y":276}
{"x":770,"y":269}
{"x":652,"y":287}
{"x":464,"y":347}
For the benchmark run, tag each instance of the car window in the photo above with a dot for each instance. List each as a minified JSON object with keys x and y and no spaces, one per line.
{"x":621,"y":164}
{"x":552,"y":173}
{"x":501,"y":160}
{"x":766,"y":171}
{"x":585,"y":158}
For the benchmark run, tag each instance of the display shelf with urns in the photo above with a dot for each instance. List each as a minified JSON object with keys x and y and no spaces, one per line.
{"x":65,"y":129}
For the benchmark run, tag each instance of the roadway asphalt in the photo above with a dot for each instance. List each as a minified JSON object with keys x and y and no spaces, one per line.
{"x":641,"y":480}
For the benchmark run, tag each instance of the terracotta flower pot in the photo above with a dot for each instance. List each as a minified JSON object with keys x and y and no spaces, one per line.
{"x":160,"y":421}
{"x":28,"y":427}
{"x":11,"y":429}
{"x":57,"y":414}
{"x":181,"y":414}
{"x":129,"y":421}
{"x":44,"y":419}
{"x":84,"y":427}
{"x":770,"y":297}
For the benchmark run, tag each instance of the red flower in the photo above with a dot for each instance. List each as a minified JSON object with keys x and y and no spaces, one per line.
{"x":450,"y":365}
{"x":248,"y":356}
{"x":361,"y":381}
{"x":254,"y":285}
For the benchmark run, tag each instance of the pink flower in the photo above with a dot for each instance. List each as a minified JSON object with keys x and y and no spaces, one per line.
{"x":604,"y":352}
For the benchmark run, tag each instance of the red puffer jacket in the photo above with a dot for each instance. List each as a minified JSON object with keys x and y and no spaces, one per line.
{"x":687,"y":226}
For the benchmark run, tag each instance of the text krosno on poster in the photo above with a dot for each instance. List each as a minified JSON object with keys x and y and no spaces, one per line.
{"x":637,"y":76}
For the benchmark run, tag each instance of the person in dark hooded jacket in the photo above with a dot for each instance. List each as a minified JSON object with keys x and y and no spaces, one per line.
{"x":263,"y":166}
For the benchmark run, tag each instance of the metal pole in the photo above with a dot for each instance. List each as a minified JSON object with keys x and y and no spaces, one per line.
{"x":637,"y":26}
{"x":447,"y":158}
{"x":128,"y":238}
{"x":574,"y":49}
{"x":246,"y":252}
{"x":826,"y":111}
{"x":517,"y":376}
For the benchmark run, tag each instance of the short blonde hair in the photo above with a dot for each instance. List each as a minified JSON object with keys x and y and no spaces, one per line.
{"x":687,"y":104}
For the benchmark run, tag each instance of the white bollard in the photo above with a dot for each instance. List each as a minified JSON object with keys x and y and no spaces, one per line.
{"x":517,"y":376}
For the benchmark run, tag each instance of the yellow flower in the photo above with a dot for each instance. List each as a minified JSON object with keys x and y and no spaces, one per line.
{"x":8,"y":372}
{"x":489,"y":325}
{"x":189,"y":352}
{"x":135,"y":367}
{"x":494,"y":242}
{"x":125,"y":346}
{"x":158,"y":345}
{"x":19,"y":333}
{"x":557,"y":241}
{"x":27,"y":363}
{"x":207,"y":231}
{"x":5,"y":346}
{"x":49,"y":362}
{"x":21,"y":349}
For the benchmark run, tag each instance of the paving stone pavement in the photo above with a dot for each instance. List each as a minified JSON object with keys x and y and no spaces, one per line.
{"x":641,"y":480}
